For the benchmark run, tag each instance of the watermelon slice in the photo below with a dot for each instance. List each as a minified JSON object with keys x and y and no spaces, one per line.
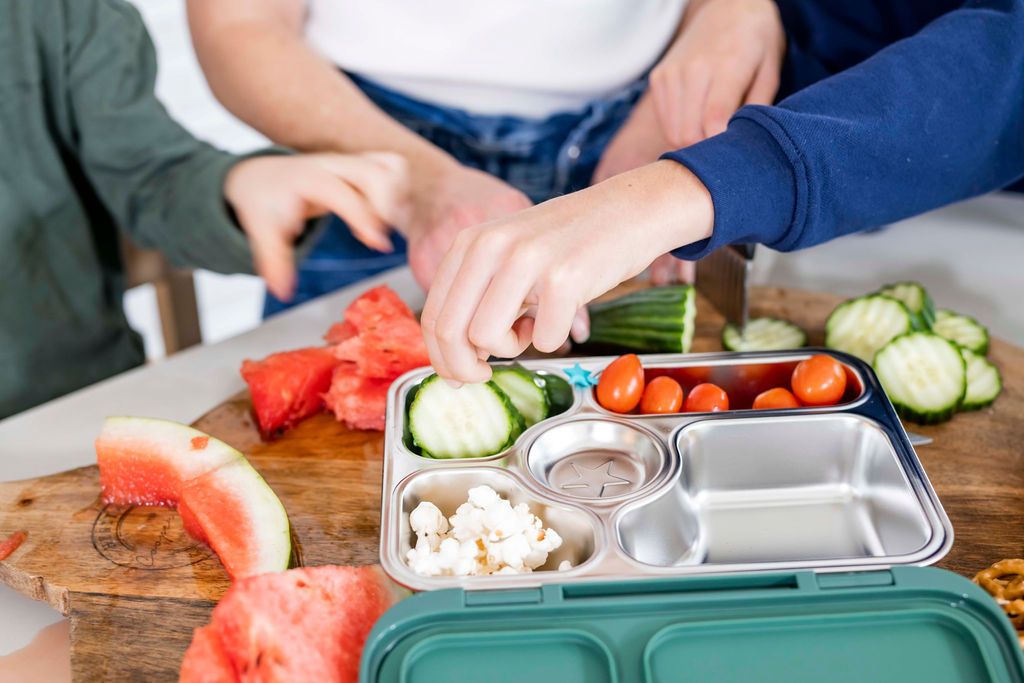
{"x":287,"y":387}
{"x":360,"y":402}
{"x":146,"y":461}
{"x":222,"y":500}
{"x":387,"y":351}
{"x":301,"y":625}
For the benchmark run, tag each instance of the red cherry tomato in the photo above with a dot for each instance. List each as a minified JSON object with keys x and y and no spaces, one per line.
{"x":819,"y":381}
{"x":662,"y":395}
{"x":707,"y":398}
{"x":621,"y":384}
{"x":775,"y":399}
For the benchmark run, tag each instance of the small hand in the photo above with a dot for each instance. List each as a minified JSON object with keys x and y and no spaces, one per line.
{"x":728,"y":53}
{"x":274,"y":196}
{"x":554,"y":258}
{"x":446,"y":201}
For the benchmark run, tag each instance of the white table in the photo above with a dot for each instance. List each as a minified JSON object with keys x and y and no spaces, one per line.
{"x":58,"y":435}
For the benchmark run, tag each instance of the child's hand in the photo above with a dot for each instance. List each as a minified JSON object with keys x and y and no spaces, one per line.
{"x":274,"y":196}
{"x":554,"y":258}
{"x":728,"y":53}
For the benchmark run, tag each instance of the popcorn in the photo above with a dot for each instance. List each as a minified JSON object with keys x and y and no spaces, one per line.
{"x":486,"y":535}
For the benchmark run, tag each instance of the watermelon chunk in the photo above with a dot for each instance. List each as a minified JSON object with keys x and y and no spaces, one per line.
{"x":387,"y":351}
{"x":287,"y":387}
{"x":300,"y":625}
{"x":339,"y":332}
{"x":376,"y":306}
{"x":146,"y":461}
{"x":360,"y":402}
{"x":205,"y":659}
{"x":222,"y":500}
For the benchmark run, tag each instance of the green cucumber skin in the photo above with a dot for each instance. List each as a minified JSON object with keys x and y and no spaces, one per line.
{"x":631,"y":339}
{"x":518,"y":423}
{"x":653,"y":320}
{"x":981,"y":350}
{"x":559,"y":392}
{"x":921,"y":319}
{"x":967,"y":405}
{"x":525,"y":375}
{"x":926,"y":417}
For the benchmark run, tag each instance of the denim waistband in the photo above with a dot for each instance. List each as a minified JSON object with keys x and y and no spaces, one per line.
{"x":490,"y":133}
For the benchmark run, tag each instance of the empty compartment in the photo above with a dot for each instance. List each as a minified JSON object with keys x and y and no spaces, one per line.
{"x":596,"y":459}
{"x":814,"y":488}
{"x":448,"y":488}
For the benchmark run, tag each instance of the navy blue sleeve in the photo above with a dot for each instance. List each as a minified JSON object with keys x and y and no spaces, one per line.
{"x":927,"y":121}
{"x":824,"y":37}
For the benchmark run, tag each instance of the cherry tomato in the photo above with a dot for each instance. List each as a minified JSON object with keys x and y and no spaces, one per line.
{"x":662,"y":395}
{"x":775,"y":399}
{"x":819,"y":381}
{"x":707,"y":398}
{"x":621,"y":384}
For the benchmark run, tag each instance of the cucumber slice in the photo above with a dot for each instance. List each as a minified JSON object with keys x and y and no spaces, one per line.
{"x":473,"y":421}
{"x":522,"y":388}
{"x":659,"y":319}
{"x":915,"y":297}
{"x":559,"y":392}
{"x":983,"y":381}
{"x":962,"y":329}
{"x":864,"y":325}
{"x":763,"y":334}
{"x":924,"y":375}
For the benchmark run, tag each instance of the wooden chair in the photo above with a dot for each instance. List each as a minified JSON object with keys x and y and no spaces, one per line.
{"x":175,"y":295}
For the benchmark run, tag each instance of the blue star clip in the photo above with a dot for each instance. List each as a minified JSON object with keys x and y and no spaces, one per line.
{"x":579,"y":377}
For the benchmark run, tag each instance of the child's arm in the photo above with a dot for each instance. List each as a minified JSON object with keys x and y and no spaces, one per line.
{"x":928,"y":121}
{"x":172,"y":192}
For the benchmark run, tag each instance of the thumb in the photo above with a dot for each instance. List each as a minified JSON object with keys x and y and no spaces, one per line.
{"x":273,"y":256}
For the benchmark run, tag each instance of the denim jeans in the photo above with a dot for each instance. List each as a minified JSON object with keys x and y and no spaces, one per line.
{"x":543,"y":158}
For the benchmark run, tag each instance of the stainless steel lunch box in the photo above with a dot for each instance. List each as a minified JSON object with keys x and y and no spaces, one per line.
{"x":835,"y":488}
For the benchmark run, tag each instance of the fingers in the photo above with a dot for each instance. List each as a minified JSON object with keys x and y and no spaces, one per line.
{"x":725,"y":95}
{"x":668,"y":270}
{"x":493,"y":327}
{"x":765,"y":85}
{"x":458,"y":288}
{"x":580,"y":330}
{"x":679,"y":94}
{"x":330,"y":192}
{"x":273,"y":257}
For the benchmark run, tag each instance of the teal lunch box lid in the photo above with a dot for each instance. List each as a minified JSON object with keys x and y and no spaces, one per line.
{"x":905,"y":624}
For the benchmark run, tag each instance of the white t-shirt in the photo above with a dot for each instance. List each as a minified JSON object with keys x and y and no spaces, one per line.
{"x":528,"y":58}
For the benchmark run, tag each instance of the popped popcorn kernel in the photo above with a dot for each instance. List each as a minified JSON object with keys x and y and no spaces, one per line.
{"x":486,"y":535}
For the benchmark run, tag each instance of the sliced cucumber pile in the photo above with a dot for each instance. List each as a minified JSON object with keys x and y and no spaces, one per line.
{"x":525,"y":392}
{"x":473,"y":421}
{"x":924,"y":375}
{"x":983,"y":381}
{"x":915,"y":297}
{"x":962,"y":329}
{"x":763,"y":334}
{"x":864,"y":325}
{"x":659,"y":320}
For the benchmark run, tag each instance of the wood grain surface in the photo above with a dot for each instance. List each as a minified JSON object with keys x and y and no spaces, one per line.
{"x":135,"y":585}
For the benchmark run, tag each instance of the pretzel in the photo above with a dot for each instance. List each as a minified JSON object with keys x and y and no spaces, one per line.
{"x":1004,"y":580}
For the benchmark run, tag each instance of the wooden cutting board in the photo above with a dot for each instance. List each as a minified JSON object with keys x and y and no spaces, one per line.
{"x":134,"y":585}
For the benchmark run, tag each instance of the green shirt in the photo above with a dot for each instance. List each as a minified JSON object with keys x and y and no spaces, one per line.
{"x":86,"y":150}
